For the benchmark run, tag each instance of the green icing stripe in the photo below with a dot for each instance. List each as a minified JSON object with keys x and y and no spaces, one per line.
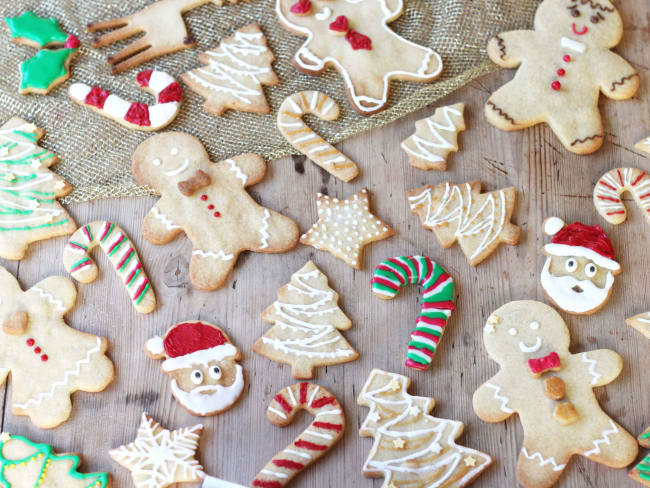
{"x":414,"y":272}
{"x":646,"y":435}
{"x":32,"y":227}
{"x":434,"y":332}
{"x":385,"y":288}
{"x":133,"y":278}
{"x":389,"y":275}
{"x":144,"y":292}
{"x":433,"y":314}
{"x":444,"y":295}
{"x":126,"y":261}
{"x":422,"y":345}
{"x":417,"y":359}
{"x":27,"y":135}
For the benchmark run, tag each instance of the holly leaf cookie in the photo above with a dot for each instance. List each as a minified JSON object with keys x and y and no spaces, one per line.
{"x":562,"y":67}
{"x":353,"y":37}
{"x":208,"y":202}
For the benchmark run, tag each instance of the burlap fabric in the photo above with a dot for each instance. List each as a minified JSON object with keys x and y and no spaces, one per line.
{"x":96,"y":152}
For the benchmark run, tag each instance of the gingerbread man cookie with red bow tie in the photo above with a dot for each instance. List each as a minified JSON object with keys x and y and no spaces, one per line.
{"x":562,"y":67}
{"x":551,"y":390}
{"x":208,"y":202}
{"x":353,"y":36}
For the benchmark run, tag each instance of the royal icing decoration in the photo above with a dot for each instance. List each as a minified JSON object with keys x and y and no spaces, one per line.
{"x":411,"y":447}
{"x":608,"y":191}
{"x":435,"y":137}
{"x":369,"y":54}
{"x":134,"y":115}
{"x":552,"y":394}
{"x":344,"y":227}
{"x":21,"y":458}
{"x":306,"y":321}
{"x":479,"y":221}
{"x":640,"y":322}
{"x":305,"y":140}
{"x":641,"y":471}
{"x":395,"y":273}
{"x":158,"y":458}
{"x":234,"y":73}
{"x":321,"y":435}
{"x":122,"y":255}
{"x":28,"y":192}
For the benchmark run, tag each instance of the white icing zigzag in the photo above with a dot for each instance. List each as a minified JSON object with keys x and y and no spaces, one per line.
{"x":166,"y":221}
{"x":542,"y":461}
{"x":503,"y":399}
{"x":238,"y":172}
{"x":50,"y":298}
{"x":603,"y":440}
{"x":592,"y":368}
{"x":264,"y":229}
{"x":209,"y":254}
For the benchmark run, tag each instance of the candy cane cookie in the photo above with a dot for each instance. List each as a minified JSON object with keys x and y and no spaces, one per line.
{"x":120,"y":251}
{"x":305,"y":140}
{"x":325,"y":431}
{"x":610,"y":187}
{"x":134,"y":115}
{"x":437,"y":301}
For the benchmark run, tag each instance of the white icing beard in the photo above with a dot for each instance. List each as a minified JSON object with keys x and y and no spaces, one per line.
{"x":209,"y":403}
{"x":560,"y":290}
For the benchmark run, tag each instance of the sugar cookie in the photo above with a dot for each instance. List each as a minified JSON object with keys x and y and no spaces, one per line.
{"x":610,"y":187}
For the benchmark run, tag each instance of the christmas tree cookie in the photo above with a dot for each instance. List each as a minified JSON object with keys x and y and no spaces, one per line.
{"x":307,"y":320}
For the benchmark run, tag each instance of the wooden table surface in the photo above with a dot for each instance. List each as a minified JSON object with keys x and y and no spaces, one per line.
{"x":235,"y":445}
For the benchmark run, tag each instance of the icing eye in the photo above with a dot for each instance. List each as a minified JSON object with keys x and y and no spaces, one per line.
{"x":575,"y":12}
{"x":571,"y":265}
{"x":215,"y":372}
{"x":534,"y":325}
{"x":594,"y":19}
{"x":174,"y":151}
{"x":512,"y":331}
{"x":590,"y":270}
{"x":196,"y":377}
{"x":156,"y":162}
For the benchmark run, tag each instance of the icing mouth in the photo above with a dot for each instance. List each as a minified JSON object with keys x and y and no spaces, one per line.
{"x":534,"y":348}
{"x":581,"y":32}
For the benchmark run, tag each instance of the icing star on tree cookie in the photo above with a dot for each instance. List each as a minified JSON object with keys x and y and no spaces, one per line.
{"x":208,"y":202}
{"x":353,"y":36}
{"x":344,"y":227}
{"x":562,"y":67}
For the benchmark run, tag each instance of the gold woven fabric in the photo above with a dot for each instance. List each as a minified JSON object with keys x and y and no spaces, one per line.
{"x":96,"y":152}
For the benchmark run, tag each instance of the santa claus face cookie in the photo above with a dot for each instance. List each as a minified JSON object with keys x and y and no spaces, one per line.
{"x":202,"y":364}
{"x":579,"y":272}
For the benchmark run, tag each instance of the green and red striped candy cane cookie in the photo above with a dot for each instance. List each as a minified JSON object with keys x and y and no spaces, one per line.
{"x":325,"y":431}
{"x":122,"y":254}
{"x":437,"y":301}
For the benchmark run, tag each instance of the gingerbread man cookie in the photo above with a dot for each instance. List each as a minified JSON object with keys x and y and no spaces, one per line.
{"x":563,"y":65}
{"x":353,"y":36}
{"x":47,"y":359}
{"x":551,"y":390}
{"x":209,"y":203}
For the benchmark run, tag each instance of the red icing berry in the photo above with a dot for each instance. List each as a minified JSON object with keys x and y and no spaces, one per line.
{"x":556,"y":85}
{"x":96,"y":97}
{"x":138,"y":114}
{"x":44,"y":357}
{"x":566,"y":58}
{"x":204,"y":197}
{"x":172,"y":93}
{"x":143,"y":77}
{"x":72,"y":42}
{"x":217,"y":214}
{"x":561,"y":72}
{"x":340,"y":24}
{"x":301,"y":7}
{"x":30,"y":342}
{"x":358,"y":40}
{"x":37,"y":350}
{"x":210,"y":207}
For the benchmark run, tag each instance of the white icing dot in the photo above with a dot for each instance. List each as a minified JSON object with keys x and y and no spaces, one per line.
{"x":534,"y":325}
{"x":512,"y":331}
{"x":156,"y":162}
{"x":174,"y":151}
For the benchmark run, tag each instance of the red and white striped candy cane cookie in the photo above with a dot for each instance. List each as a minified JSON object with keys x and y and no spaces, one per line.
{"x":608,"y":191}
{"x":134,"y":115}
{"x":325,"y":431}
{"x":122,"y":254}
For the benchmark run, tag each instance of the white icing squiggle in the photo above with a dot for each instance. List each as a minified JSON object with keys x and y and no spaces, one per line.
{"x":58,"y":304}
{"x":543,"y":462}
{"x":209,"y":254}
{"x":238,"y":172}
{"x":595,"y":375}
{"x":426,"y":148}
{"x":264,"y":229}
{"x":603,"y":440}
{"x":502,"y":398}
{"x":166,"y":221}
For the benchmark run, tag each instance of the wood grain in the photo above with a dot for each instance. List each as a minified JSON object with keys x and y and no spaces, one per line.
{"x":235,"y":445}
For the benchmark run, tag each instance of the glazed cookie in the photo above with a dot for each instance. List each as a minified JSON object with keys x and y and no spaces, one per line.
{"x":551,"y":391}
{"x":209,"y":203}
{"x":122,"y":254}
{"x":24,"y":463}
{"x":435,"y":137}
{"x":479,"y":221}
{"x":579,"y":271}
{"x":134,"y":115}
{"x":159,"y":458}
{"x":306,"y":321}
{"x":202,"y":364}
{"x":353,"y":36}
{"x":234,"y":73}
{"x":563,"y":65}
{"x":641,"y":323}
{"x":643,"y":145}
{"x":345,"y":227}
{"x":47,"y":359}
{"x":610,"y":187}
{"x":411,"y":447}
{"x":49,"y":67}
{"x":29,"y":190}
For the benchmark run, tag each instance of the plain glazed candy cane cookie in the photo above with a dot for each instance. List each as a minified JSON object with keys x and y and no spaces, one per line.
{"x":122,"y":254}
{"x":305,"y":140}
{"x":610,"y":187}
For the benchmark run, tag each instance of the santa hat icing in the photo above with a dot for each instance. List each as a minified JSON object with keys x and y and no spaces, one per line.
{"x":588,"y":241}
{"x":191,"y":343}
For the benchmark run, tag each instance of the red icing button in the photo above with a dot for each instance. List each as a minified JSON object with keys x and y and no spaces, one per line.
{"x":556,"y":85}
{"x":37,"y":350}
{"x":301,"y":7}
{"x":358,"y":41}
{"x":138,"y":114}
{"x":561,"y":72}
{"x":72,"y":42}
{"x":340,"y":24}
{"x":566,"y":58}
{"x":204,"y":197}
{"x":30,"y":342}
{"x":210,"y":207}
{"x":44,"y":357}
{"x":217,"y":214}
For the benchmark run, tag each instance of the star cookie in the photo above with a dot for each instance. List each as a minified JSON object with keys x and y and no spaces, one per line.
{"x":344,"y":227}
{"x":158,"y":458}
